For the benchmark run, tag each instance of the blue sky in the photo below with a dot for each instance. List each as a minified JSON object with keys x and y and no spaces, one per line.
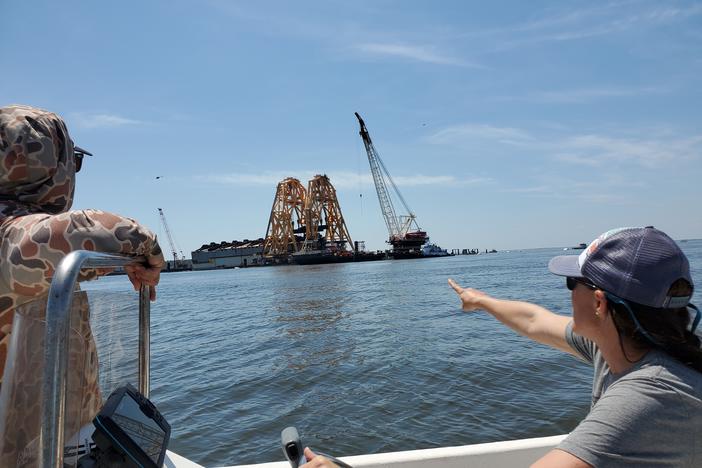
{"x":505,"y":124}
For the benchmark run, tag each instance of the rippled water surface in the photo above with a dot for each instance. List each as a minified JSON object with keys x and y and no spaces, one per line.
{"x":362,"y":358}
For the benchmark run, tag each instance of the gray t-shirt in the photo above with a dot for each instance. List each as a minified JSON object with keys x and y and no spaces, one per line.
{"x":650,"y":415}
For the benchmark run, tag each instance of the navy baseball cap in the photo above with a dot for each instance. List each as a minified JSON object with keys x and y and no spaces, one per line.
{"x":638,"y":264}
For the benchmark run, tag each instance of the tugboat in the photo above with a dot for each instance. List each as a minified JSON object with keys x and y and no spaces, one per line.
{"x":433,"y":250}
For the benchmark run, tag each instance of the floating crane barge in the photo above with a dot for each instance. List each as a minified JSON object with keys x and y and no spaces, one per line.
{"x":405,"y":236}
{"x":306,"y":226}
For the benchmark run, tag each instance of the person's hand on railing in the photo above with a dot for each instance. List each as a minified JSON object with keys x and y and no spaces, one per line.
{"x":146,"y":274}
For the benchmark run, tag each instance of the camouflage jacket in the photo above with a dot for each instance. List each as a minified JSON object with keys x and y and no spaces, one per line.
{"x":37,"y":181}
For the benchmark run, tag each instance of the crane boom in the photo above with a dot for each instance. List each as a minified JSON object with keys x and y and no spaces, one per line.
{"x":170,"y":237}
{"x":406,"y":243}
{"x":386,"y":206}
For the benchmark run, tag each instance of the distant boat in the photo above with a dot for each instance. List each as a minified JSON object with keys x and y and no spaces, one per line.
{"x":433,"y":250}
{"x":580,"y":246}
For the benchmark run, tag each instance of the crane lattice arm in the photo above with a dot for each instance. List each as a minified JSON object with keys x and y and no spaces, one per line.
{"x":170,"y":237}
{"x":397,"y":227}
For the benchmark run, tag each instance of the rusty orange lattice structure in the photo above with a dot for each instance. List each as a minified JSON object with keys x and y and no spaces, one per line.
{"x":323,"y":213}
{"x":287,"y":210}
{"x":314,"y":213}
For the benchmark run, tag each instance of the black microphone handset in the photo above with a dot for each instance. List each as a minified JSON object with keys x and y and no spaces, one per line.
{"x":294,"y":450}
{"x":129,"y":432}
{"x":292,"y":447}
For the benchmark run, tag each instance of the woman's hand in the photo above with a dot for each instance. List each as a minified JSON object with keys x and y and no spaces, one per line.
{"x":470,"y":298}
{"x":317,"y":461}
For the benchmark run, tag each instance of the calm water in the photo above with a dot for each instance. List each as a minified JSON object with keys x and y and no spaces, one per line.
{"x":362,"y":358}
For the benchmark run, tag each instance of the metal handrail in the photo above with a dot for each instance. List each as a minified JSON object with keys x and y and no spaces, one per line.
{"x":56,"y":345}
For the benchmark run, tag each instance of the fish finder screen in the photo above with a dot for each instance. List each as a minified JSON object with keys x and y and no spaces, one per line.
{"x":143,"y":430}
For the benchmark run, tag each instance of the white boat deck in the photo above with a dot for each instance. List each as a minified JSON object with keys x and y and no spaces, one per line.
{"x":513,"y":453}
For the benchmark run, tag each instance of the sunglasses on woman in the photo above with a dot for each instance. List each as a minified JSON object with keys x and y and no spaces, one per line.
{"x":572,"y":282}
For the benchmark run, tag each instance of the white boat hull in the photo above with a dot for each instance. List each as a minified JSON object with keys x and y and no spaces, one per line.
{"x":490,"y":455}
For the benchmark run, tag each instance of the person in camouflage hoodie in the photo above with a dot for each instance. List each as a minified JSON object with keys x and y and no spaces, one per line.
{"x":38,"y":165}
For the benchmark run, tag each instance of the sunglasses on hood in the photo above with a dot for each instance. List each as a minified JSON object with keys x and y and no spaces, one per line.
{"x":78,"y":155}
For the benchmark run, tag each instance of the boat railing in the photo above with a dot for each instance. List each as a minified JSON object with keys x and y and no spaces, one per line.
{"x":58,"y":316}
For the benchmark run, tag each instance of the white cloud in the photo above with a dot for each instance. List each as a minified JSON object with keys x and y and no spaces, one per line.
{"x":649,"y":153}
{"x":607,"y":198}
{"x":420,"y":179}
{"x":605,"y":189}
{"x":601,"y":20}
{"x":577,"y":159}
{"x":625,"y":16}
{"x":266,"y":178}
{"x":649,"y":148}
{"x":340,"y":180}
{"x":460,"y":133}
{"x":414,"y":53}
{"x":589,"y":94}
{"x":341,"y":35}
{"x":101,"y":120}
{"x":645,"y":151}
{"x":526,"y":190}
{"x":621,"y":158}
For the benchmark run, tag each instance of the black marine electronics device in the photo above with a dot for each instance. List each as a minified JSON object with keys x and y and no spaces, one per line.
{"x":130,"y":427}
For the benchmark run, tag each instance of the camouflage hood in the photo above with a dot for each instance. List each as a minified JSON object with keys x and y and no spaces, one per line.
{"x":37,"y":166}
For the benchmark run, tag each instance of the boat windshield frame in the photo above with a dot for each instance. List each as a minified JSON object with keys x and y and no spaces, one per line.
{"x":54,"y":378}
